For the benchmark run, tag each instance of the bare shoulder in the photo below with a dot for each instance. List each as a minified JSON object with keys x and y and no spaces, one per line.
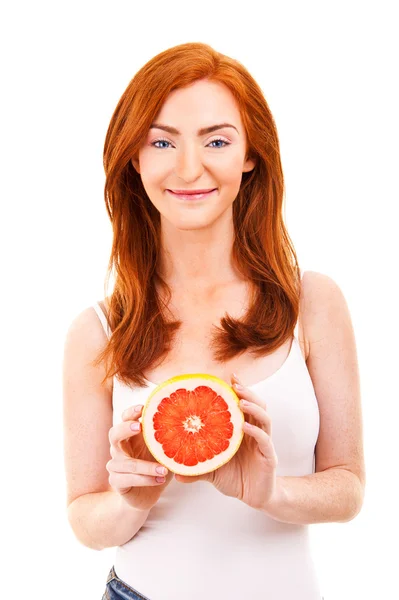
{"x":87,"y":323}
{"x":322,"y":304}
{"x":86,"y":337}
{"x":333,"y":367}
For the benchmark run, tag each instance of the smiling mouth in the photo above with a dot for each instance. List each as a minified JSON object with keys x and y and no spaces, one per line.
{"x":198,"y":191}
{"x":188,"y":196}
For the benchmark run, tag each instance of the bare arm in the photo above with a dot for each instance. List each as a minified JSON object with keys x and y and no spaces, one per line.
{"x":99,"y":516}
{"x":103,"y":519}
{"x":335,"y":492}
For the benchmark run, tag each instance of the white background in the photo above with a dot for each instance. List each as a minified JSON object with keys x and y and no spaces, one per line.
{"x":329,"y":74}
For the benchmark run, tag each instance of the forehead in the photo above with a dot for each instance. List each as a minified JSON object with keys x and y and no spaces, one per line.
{"x":199,"y":105}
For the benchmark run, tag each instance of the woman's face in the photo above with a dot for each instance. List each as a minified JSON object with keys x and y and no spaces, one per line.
{"x":192,"y":160}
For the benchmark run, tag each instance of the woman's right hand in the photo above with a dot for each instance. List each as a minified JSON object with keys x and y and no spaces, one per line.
{"x":132,"y":469}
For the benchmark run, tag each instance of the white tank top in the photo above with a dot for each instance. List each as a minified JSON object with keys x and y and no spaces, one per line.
{"x":198,"y":543}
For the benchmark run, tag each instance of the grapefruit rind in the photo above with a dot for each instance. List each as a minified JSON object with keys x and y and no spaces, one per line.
{"x":191,"y":381}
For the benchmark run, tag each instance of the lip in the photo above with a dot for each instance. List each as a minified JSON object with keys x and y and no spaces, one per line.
{"x":192,"y":196}
{"x":186,"y":192}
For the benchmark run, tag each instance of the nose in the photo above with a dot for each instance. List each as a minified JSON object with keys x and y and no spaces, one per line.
{"x":189,"y":164}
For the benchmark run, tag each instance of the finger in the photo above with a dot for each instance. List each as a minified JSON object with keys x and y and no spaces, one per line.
{"x":194,"y":478}
{"x":132,"y":413}
{"x":121,"y":432}
{"x":258,"y":413}
{"x":134,"y":466}
{"x":247,"y":394}
{"x":265,"y":443}
{"x":126,"y":481}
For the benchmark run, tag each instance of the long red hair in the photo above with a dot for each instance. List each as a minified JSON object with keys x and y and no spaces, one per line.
{"x":262,"y":251}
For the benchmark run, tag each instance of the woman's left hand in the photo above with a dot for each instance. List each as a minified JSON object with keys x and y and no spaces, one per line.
{"x":250,"y":475}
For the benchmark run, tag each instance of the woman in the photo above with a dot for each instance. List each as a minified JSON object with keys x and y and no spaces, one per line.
{"x":208,"y":285}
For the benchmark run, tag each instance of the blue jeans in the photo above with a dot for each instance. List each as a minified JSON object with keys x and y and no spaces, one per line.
{"x":116,"y":589}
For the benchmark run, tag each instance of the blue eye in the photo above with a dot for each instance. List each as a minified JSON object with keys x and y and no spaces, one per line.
{"x":167,"y":142}
{"x":156,"y":142}
{"x":220,"y":140}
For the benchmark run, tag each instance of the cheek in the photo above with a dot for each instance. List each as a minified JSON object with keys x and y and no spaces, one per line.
{"x":152,"y":168}
{"x":231,"y":169}
{"x":153,"y":172}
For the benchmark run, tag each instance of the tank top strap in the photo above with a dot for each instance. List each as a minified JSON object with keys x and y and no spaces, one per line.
{"x":296,"y":330}
{"x":103,"y":319}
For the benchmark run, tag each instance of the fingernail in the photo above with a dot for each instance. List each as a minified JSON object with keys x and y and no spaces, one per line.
{"x":135,"y":426}
{"x":161,"y":470}
{"x":238,"y":386}
{"x":236,"y":378}
{"x":138,"y":408}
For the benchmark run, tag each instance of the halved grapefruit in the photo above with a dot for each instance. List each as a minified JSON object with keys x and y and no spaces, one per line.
{"x":192,"y":424}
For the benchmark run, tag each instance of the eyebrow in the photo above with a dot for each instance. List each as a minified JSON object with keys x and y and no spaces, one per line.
{"x":202,"y":131}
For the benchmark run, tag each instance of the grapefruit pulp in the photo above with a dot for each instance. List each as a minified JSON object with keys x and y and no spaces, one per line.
{"x":192,"y":424}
